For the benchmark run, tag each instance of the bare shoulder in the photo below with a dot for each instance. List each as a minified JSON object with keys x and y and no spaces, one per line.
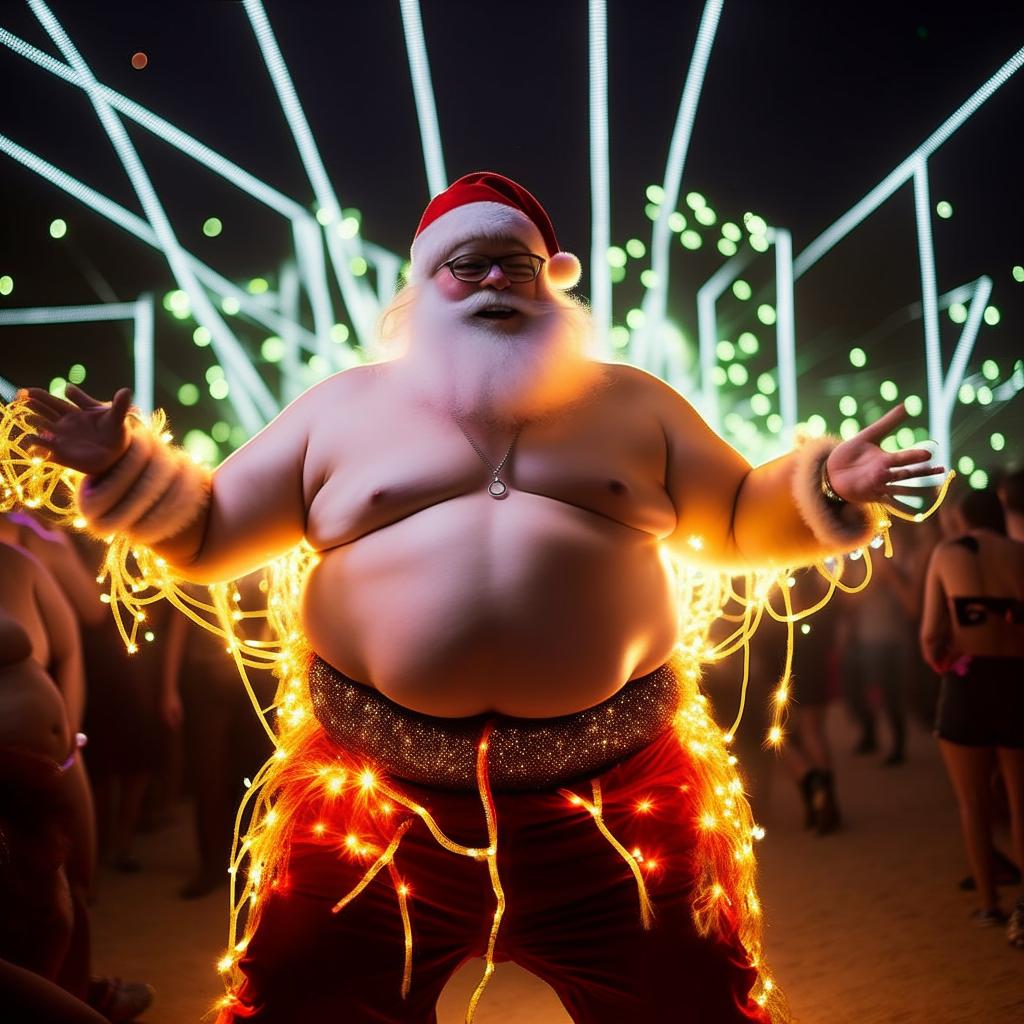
{"x":630,"y":383}
{"x":644,"y":391}
{"x":955,"y":551}
{"x":339,"y":390}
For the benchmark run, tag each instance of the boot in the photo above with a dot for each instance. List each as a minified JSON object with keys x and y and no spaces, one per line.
{"x":806,"y":787}
{"x":826,"y":809}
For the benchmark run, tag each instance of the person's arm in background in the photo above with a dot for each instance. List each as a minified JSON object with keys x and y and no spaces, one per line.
{"x":66,"y":666}
{"x":936,"y":627}
{"x":170,"y":671}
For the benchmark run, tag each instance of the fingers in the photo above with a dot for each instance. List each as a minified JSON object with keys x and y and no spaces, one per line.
{"x":37,"y":441}
{"x":42,"y":400}
{"x":122,"y":403}
{"x":916,"y":472}
{"x":81,"y":398}
{"x":884,"y":426}
{"x":41,"y":418}
{"x":910,"y":457}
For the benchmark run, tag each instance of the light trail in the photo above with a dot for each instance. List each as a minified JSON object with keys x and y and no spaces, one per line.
{"x":904,"y":171}
{"x":357,"y":301}
{"x":656,"y":299}
{"x":250,"y":397}
{"x":423,"y":92}
{"x":937,"y":425}
{"x":600,"y":180}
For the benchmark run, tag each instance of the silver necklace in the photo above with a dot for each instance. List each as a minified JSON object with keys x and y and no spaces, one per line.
{"x":497,"y":488}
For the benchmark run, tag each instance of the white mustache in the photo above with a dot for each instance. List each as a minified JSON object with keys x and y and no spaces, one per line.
{"x":487,"y":299}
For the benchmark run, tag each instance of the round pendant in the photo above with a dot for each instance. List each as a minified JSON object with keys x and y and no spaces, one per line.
{"x":497,"y":488}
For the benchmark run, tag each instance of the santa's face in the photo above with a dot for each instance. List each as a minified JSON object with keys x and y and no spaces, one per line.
{"x":492,"y":350}
{"x":494,"y":302}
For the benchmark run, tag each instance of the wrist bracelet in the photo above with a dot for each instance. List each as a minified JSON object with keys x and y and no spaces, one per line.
{"x":827,"y":491}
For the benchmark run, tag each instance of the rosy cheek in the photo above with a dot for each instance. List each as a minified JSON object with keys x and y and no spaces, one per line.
{"x":453,"y":289}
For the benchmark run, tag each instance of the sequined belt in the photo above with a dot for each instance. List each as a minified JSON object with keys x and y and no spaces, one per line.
{"x":523,"y":753}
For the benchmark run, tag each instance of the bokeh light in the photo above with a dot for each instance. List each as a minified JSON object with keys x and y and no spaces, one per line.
{"x":748,"y":343}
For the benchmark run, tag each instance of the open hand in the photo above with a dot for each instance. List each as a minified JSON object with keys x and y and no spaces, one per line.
{"x":860,"y":471}
{"x":82,"y":433}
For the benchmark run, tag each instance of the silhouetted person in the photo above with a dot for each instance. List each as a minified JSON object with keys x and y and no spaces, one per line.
{"x":973,"y":633}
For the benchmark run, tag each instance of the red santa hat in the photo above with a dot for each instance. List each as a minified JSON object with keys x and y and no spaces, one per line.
{"x":488,"y":205}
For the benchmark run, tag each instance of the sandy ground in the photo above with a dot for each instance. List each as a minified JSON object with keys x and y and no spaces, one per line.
{"x":864,"y":926}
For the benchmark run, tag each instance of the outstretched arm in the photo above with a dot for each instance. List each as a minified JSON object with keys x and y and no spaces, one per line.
{"x":740,"y":517}
{"x":208,"y":527}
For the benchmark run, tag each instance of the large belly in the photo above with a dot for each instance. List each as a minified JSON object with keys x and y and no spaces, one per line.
{"x":527,"y":606}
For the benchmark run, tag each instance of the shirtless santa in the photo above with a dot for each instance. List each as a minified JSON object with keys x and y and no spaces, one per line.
{"x":493,"y":511}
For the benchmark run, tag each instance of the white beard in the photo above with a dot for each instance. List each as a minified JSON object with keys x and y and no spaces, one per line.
{"x":495,"y":371}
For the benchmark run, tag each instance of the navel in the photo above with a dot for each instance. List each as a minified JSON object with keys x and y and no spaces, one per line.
{"x":617,"y":487}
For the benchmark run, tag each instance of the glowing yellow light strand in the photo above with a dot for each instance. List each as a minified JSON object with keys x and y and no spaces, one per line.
{"x":402,"y":891}
{"x":484,"y":787}
{"x":595,"y":810}
{"x":378,"y":865}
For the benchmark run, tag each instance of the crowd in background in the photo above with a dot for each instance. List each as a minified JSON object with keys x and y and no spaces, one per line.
{"x":96,"y":746}
{"x":937,"y":638}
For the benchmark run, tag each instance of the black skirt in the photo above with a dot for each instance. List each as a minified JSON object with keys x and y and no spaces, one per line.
{"x":985,"y":706}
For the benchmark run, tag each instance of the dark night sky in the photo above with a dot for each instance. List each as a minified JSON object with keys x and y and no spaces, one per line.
{"x":806,"y":106}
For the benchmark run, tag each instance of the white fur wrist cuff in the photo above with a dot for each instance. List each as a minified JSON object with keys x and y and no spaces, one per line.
{"x":152,"y":493}
{"x":842,"y":527}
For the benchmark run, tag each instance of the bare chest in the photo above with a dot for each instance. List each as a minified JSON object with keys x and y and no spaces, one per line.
{"x":602,"y":461}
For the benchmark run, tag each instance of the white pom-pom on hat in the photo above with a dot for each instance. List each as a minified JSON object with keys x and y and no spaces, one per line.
{"x":564,"y":270}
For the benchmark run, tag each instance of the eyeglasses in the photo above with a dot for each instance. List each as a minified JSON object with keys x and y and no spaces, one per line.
{"x":519,"y":268}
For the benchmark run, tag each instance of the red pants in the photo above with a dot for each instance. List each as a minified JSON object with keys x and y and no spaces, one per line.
{"x":572,"y":911}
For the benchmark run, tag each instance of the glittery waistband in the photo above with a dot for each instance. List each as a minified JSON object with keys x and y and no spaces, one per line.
{"x":523,"y":753}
